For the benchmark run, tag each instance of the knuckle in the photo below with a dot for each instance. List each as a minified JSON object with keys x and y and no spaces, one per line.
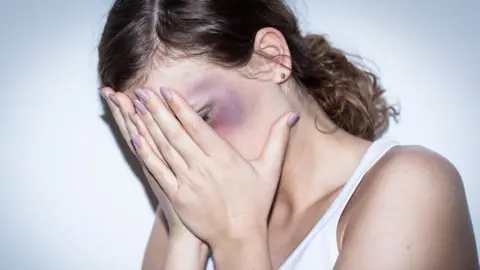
{"x":202,"y":171}
{"x":195,"y":129}
{"x":175,"y":133}
{"x":142,"y":132}
{"x":180,"y":200}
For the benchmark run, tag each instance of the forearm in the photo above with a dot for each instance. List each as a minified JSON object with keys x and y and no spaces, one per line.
{"x":185,"y":253}
{"x":249,"y":253}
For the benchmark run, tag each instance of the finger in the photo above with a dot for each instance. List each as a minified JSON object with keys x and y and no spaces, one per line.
{"x":162,"y":174}
{"x":202,"y":134}
{"x":173,"y":131}
{"x":169,"y":154}
{"x":157,"y":190}
{"x":126,"y":108}
{"x":274,"y":150}
{"x":114,"y":106}
{"x":127,"y":111}
{"x":114,"y":103}
{"x":143,"y":131}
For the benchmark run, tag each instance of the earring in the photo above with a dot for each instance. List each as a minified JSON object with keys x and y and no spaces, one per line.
{"x":283,"y":75}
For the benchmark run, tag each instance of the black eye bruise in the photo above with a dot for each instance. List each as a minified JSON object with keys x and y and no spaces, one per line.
{"x":205,"y":111}
{"x":206,"y":117}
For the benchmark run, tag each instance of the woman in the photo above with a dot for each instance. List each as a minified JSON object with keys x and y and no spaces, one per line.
{"x":264,"y":143}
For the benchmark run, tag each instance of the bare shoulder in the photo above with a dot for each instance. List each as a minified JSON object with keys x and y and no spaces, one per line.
{"x":409,"y":213}
{"x":417,"y":171}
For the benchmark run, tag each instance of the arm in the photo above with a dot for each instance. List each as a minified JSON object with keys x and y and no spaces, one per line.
{"x":170,"y":253}
{"x":415,"y":217}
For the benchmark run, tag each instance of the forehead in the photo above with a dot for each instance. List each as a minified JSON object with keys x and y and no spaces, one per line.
{"x":187,"y":77}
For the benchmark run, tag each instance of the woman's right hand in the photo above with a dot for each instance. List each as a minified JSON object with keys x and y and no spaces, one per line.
{"x":121,"y":107}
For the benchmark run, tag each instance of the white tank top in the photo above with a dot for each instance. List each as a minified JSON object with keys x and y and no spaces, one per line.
{"x":319,"y":249}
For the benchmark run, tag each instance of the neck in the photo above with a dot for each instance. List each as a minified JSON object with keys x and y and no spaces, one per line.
{"x":317,"y":164}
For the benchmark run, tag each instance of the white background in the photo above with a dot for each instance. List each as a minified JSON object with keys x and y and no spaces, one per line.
{"x":69,"y":200}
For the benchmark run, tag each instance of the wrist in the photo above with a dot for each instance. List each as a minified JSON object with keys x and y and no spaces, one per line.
{"x":239,"y":242}
{"x":186,"y":239}
{"x":181,"y":246}
{"x":240,"y":234}
{"x":250,"y":250}
{"x":188,"y":244}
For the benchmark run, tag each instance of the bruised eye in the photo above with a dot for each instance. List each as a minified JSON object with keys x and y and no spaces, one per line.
{"x":206,"y":117}
{"x":205,"y":113}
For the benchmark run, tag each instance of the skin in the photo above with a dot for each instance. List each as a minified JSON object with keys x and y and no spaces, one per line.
{"x":205,"y":172}
{"x":410,"y":211}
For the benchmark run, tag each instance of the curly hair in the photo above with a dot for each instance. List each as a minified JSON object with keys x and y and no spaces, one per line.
{"x":138,"y":32}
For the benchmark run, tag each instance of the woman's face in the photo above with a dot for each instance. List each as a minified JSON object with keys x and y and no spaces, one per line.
{"x":238,"y":108}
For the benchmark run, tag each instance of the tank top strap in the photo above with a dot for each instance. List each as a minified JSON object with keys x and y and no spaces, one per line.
{"x":374,"y":153}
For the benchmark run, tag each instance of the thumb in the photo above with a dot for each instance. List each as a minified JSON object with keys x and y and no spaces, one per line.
{"x":273,"y":152}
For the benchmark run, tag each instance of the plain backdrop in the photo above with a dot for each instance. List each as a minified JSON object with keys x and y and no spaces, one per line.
{"x":69,"y":199}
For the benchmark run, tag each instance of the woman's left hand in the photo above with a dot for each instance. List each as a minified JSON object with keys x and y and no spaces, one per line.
{"x":216,"y":193}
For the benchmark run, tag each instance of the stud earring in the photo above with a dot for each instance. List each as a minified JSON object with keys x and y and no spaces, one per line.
{"x":283,"y":75}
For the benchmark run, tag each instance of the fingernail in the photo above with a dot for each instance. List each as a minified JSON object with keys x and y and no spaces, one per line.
{"x":165,"y":94}
{"x":136,"y":141}
{"x":114,"y":99}
{"x":293,"y":119}
{"x":140,"y":107}
{"x":132,"y":118}
{"x":142,"y":95}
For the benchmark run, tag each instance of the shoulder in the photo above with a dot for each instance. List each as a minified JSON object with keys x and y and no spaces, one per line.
{"x":410,"y":212}
{"x":408,"y":176}
{"x":417,"y":171}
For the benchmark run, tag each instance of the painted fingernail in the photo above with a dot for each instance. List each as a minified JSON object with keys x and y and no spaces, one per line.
{"x":140,"y":107}
{"x":166,"y":94}
{"x":132,"y":118}
{"x":293,"y":119}
{"x":114,"y":99}
{"x":142,"y":95}
{"x":136,"y":141}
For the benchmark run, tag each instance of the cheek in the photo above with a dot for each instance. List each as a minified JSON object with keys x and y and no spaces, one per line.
{"x":229,"y":115}
{"x":227,"y":119}
{"x":248,"y":142}
{"x":242,"y":129}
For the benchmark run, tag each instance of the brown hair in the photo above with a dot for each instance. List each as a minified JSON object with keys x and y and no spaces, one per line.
{"x":224,"y":32}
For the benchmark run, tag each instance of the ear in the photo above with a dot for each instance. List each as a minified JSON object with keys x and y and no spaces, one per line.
{"x":270,"y":43}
